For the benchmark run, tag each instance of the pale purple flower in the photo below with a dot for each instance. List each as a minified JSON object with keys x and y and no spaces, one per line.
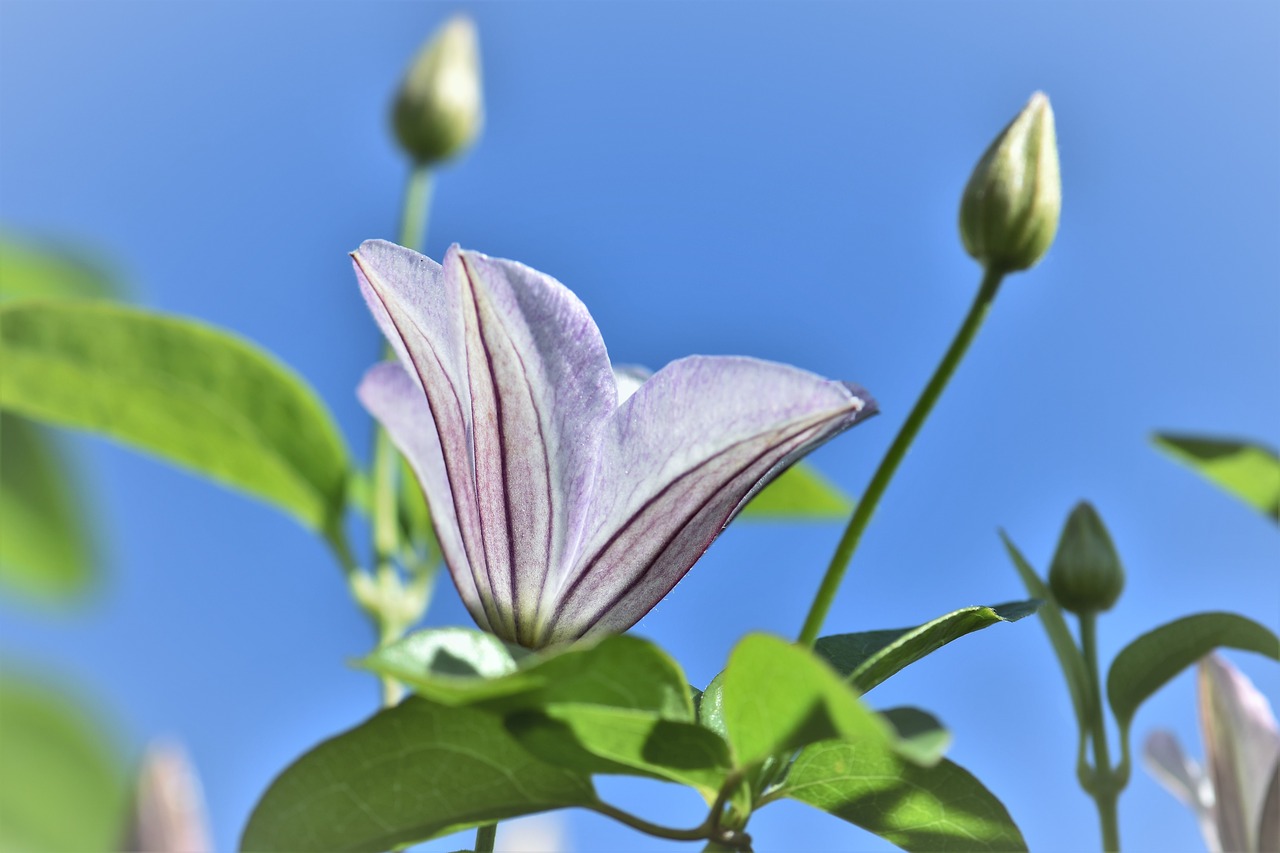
{"x":563,"y":507}
{"x":1236,"y":795}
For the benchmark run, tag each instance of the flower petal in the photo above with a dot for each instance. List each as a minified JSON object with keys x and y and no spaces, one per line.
{"x":1242,"y":745}
{"x":679,"y":459}
{"x":520,"y":388}
{"x":395,"y":398}
{"x":1183,"y":778}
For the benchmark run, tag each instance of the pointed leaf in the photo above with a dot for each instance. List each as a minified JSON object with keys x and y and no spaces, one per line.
{"x":800,"y":494}
{"x":1064,"y":645}
{"x":1146,"y":664}
{"x":1247,"y":470}
{"x":45,"y":550}
{"x":186,"y":392}
{"x":61,"y":785}
{"x":778,"y":696}
{"x":869,"y":657}
{"x":941,"y":808}
{"x":409,"y":773}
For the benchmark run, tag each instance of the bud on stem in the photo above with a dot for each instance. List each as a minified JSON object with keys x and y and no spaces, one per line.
{"x":1009,"y":212}
{"x":438,"y":110}
{"x":1086,"y":575}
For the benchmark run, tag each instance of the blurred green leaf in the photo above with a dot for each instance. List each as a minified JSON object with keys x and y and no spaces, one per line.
{"x":870,"y":657}
{"x":1245,"y":469}
{"x":188,"y":393}
{"x":921,"y":737}
{"x":940,"y":808}
{"x":777,"y":697}
{"x":45,"y":550}
{"x":409,"y":773}
{"x":460,"y":666}
{"x":61,"y":785}
{"x":799,"y":494}
{"x":1149,"y":662}
{"x":29,"y":270}
{"x":1064,"y":645}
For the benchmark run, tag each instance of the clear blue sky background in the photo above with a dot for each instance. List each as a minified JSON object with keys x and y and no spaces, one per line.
{"x":774,"y":180}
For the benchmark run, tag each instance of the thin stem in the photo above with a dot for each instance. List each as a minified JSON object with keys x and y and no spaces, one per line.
{"x":417,"y":204}
{"x":698,"y":833}
{"x":901,"y":443}
{"x":485,"y":837}
{"x":1105,"y":793}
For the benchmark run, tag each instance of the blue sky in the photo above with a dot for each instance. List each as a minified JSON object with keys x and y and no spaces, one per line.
{"x":766,"y":179}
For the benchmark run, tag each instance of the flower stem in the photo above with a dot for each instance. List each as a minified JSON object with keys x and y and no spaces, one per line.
{"x":889,"y":464}
{"x":486,"y":836}
{"x":698,"y":833}
{"x":417,"y":205}
{"x":1105,"y":784}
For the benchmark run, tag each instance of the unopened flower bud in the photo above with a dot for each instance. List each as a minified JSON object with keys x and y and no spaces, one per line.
{"x":1086,"y":575}
{"x":438,"y":110}
{"x":1009,"y":213}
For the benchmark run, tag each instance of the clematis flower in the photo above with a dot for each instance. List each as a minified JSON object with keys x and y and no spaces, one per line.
{"x":565,"y":507}
{"x":1236,"y":797}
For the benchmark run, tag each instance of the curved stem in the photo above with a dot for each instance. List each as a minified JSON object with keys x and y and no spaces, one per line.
{"x":1105,"y":793}
{"x":901,"y":443}
{"x":486,"y":836}
{"x":698,"y":833}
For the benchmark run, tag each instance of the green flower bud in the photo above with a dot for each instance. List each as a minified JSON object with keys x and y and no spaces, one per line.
{"x":1086,"y":575}
{"x":1009,"y":213}
{"x":438,"y":110}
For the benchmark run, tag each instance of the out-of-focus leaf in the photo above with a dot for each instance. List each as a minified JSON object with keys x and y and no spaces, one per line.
{"x":921,"y":737}
{"x":940,"y":808}
{"x":1064,"y":645}
{"x":409,"y":773}
{"x":45,"y":549}
{"x":799,"y":494}
{"x":1145,"y":665}
{"x":1245,"y":469}
{"x":61,"y":785}
{"x":869,"y":657}
{"x":28,"y":270}
{"x":186,"y":392}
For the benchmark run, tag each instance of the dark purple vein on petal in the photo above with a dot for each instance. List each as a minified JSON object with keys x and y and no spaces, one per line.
{"x":566,"y":594}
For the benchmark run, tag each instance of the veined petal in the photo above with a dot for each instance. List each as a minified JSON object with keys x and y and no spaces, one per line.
{"x":395,"y":398}
{"x":1242,"y":746}
{"x":678,"y":460}
{"x":519,"y":386}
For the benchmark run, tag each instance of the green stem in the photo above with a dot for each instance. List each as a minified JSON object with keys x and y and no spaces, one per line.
{"x":1105,"y":790}
{"x":485,"y":837}
{"x":640,"y":824}
{"x":417,"y":203}
{"x":901,"y":443}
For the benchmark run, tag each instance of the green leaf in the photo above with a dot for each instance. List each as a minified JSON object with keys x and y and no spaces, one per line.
{"x":799,"y":494}
{"x":61,"y":785}
{"x":921,"y":737}
{"x":186,"y":392}
{"x":777,"y":696}
{"x":619,"y":672}
{"x":45,"y":549}
{"x":869,"y":657}
{"x":1248,"y":470}
{"x":1064,"y":645}
{"x":409,"y":773}
{"x":940,"y":808}
{"x":598,"y":739}
{"x":1145,"y":665}
{"x":29,"y":270}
